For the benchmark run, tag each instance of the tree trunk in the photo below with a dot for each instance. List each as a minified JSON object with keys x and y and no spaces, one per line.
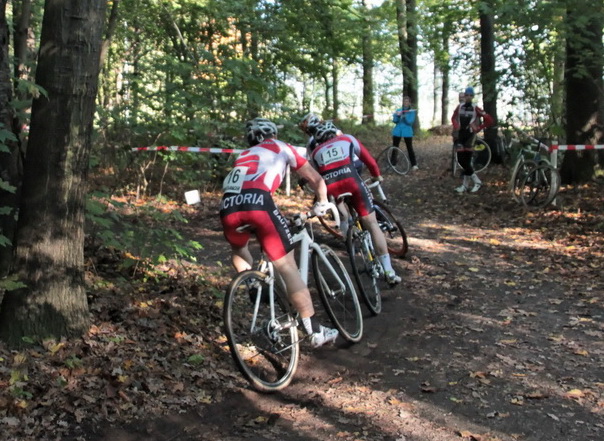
{"x":410,"y":80}
{"x":488,"y":74}
{"x":446,"y":70}
{"x":50,"y":238}
{"x":335,"y":72}
{"x":584,"y":95}
{"x":10,"y":174}
{"x":401,"y":26}
{"x":368,"y":98}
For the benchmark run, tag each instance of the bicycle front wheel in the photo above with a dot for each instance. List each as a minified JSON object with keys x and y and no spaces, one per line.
{"x":337,"y":294}
{"x":540,"y":186}
{"x":365,"y":267}
{"x":522,"y":168}
{"x":394,"y":159}
{"x":396,"y":237}
{"x":481,"y":156}
{"x":264,"y":345}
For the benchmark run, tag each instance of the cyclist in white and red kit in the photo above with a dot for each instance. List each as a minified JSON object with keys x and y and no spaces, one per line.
{"x":248,"y":200}
{"x":334,"y":159}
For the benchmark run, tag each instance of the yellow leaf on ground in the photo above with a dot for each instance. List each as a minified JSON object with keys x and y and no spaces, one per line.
{"x":574,"y":393}
{"x":508,"y":342}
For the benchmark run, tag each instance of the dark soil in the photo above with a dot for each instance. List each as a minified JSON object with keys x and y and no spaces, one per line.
{"x":494,"y":334}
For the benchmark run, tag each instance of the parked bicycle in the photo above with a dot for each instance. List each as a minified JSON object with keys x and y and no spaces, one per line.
{"x":262,"y":328}
{"x":394,"y":159}
{"x":481,"y":157}
{"x":534,"y":182}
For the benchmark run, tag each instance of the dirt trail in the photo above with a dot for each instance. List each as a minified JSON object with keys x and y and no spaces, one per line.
{"x":494,"y":334}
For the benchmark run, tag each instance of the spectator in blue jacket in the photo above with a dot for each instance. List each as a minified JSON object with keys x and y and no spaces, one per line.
{"x":404,"y":118}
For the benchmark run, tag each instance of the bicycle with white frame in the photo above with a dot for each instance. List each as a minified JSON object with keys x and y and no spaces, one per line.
{"x":260,"y":324}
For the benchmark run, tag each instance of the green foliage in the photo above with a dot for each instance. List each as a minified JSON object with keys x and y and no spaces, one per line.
{"x":11,"y":283}
{"x":6,"y":135}
{"x":195,"y":359}
{"x":142,"y":236}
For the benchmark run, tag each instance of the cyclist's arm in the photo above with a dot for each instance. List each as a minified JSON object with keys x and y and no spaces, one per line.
{"x":315,"y":181}
{"x":487,"y":120}
{"x":455,"y":119}
{"x":367,"y":159}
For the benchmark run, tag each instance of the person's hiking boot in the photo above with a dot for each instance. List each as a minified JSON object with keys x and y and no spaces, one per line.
{"x":392,"y":278}
{"x":325,"y":335}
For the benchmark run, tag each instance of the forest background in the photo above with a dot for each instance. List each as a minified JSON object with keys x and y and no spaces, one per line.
{"x":83,"y":82}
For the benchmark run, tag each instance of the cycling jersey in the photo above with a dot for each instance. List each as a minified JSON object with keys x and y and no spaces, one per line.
{"x":334,"y":161}
{"x":247,"y":199}
{"x":467,"y":119}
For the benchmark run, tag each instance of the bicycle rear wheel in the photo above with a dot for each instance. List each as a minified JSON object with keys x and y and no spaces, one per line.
{"x":265,"y":349}
{"x":394,"y":159}
{"x":540,"y":186}
{"x":396,"y":237}
{"x":481,"y":156}
{"x":365,"y":267}
{"x":337,"y":294}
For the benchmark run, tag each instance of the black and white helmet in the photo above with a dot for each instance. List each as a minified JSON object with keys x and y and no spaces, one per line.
{"x":325,"y":131}
{"x":309,"y":123}
{"x":259,"y":129}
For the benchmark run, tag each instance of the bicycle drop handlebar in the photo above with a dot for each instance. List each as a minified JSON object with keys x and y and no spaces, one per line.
{"x":371,"y":184}
{"x":300,"y":219}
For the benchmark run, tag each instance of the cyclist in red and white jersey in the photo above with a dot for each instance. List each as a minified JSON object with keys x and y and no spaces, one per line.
{"x":333,"y":158}
{"x":468,"y":119}
{"x":247,"y":200}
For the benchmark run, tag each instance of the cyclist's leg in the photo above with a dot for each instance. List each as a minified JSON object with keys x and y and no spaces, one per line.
{"x":370,"y":223}
{"x":241,"y":258}
{"x":299,"y":296}
{"x":297,"y":291}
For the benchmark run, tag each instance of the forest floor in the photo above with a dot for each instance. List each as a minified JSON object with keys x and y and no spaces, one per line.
{"x":496,"y":333}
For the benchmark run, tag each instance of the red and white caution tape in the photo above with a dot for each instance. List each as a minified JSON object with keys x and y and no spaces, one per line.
{"x":576,"y":147}
{"x":176,"y":148}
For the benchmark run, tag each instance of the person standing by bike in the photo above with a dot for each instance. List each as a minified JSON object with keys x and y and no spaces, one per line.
{"x":468,"y":119}
{"x":247,"y":200}
{"x":333,"y":158}
{"x":404,"y":118}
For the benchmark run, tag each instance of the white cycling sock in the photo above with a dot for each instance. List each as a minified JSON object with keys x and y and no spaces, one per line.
{"x":386,"y":263}
{"x":310,"y":326}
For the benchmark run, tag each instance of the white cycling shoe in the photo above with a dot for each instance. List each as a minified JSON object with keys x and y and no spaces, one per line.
{"x":392,"y":278}
{"x":324,"y":336}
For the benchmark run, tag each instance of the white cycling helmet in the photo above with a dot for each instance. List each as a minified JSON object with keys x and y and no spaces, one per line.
{"x":325,"y":131}
{"x":259,"y":129}
{"x":309,"y":123}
